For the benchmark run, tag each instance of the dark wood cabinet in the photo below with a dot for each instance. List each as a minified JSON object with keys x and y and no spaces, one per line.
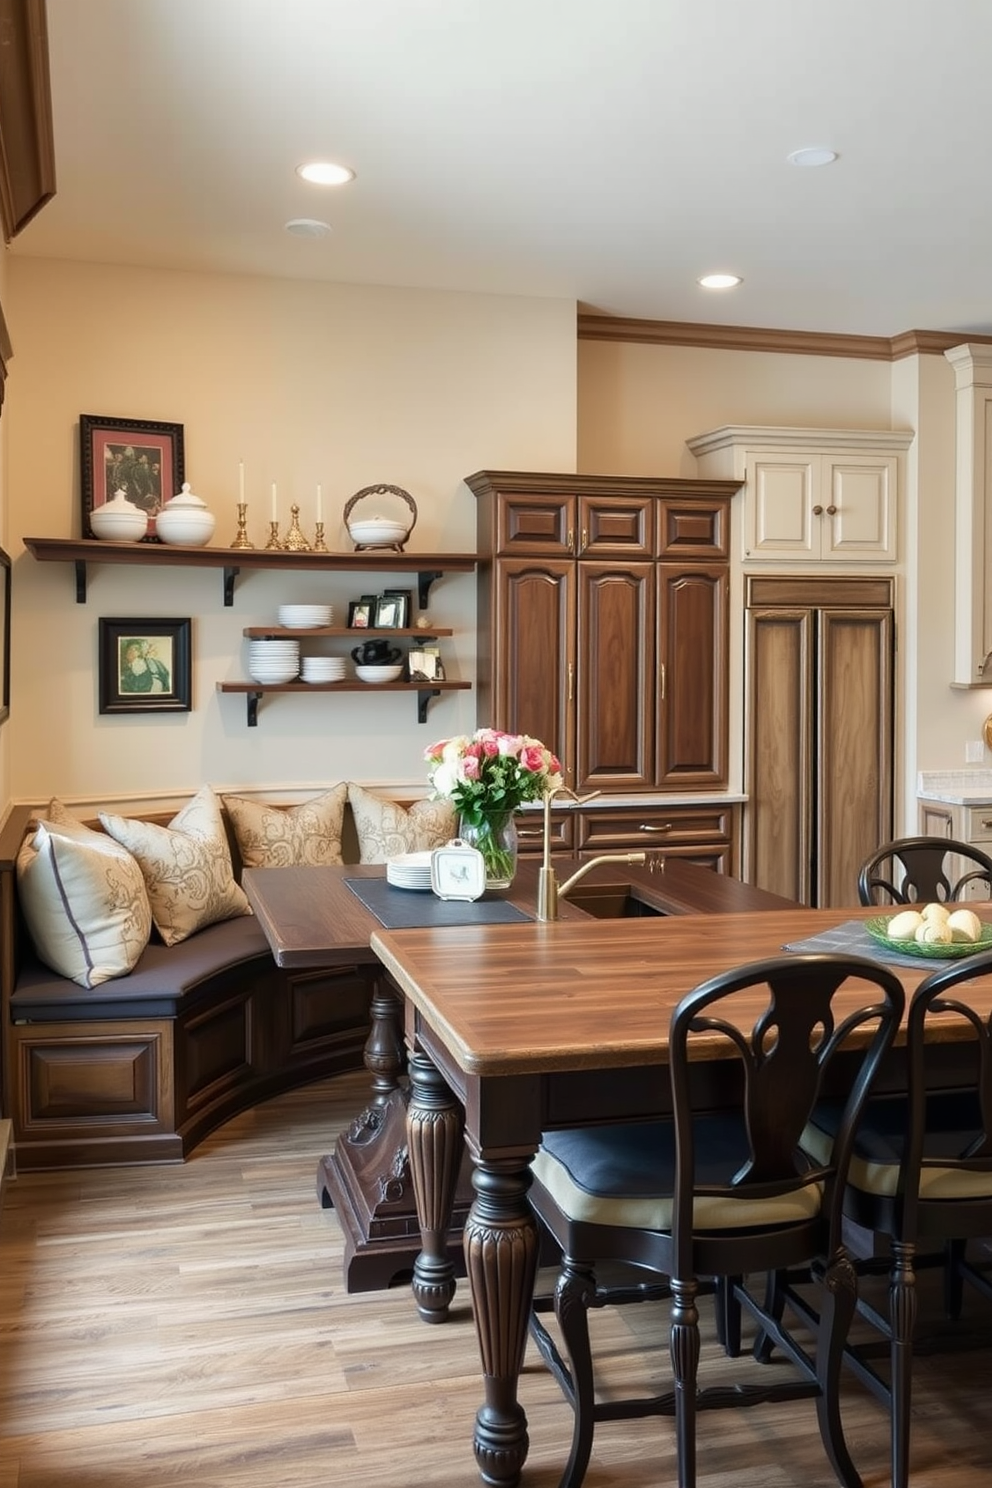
{"x":603,"y":624}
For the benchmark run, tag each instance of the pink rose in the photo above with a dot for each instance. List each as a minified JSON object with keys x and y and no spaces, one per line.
{"x":471,"y":768}
{"x":532,"y":758}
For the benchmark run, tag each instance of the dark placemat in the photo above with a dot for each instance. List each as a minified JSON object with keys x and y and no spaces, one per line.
{"x":413,"y":909}
{"x":852,"y":939}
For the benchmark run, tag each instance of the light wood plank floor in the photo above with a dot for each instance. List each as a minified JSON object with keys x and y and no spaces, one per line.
{"x":187,"y":1326}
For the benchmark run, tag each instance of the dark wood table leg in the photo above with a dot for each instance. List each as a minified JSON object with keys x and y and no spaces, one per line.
{"x":501,"y":1252}
{"x":435,"y":1135}
{"x":367,"y":1179}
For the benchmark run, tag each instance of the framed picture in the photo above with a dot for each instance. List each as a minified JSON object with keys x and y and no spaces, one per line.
{"x":360,"y":612}
{"x":145,"y":666}
{"x":405,"y":596}
{"x":388,"y":612}
{"x":142,"y":458}
{"x":4,"y":635}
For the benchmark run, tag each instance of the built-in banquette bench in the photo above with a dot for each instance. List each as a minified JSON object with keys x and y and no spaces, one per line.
{"x":142,"y":1067}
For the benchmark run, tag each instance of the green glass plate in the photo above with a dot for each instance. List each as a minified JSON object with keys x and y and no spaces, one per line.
{"x":879,"y":925}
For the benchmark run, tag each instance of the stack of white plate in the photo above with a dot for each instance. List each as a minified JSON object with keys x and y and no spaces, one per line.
{"x":409,"y":871}
{"x":273,"y":661}
{"x":305,"y":616}
{"x":323,"y":669}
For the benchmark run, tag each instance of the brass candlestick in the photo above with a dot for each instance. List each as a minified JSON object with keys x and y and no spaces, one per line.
{"x":319,"y":545}
{"x":273,"y":541}
{"x":242,"y":539}
{"x":295,"y":541}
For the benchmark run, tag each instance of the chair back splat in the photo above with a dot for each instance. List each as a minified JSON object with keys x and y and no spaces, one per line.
{"x":721,"y":1189}
{"x":919,"y":870}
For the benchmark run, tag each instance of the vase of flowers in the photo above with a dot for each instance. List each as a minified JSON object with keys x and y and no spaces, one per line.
{"x":488,"y":775}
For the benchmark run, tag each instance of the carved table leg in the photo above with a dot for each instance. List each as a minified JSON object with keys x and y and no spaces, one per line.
{"x":384,"y":1051}
{"x":435,"y":1124}
{"x":501,"y":1249}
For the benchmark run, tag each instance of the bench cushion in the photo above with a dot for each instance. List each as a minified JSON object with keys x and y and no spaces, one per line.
{"x":281,"y":836}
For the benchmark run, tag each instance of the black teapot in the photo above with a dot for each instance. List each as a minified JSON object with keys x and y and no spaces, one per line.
{"x":376,"y":653}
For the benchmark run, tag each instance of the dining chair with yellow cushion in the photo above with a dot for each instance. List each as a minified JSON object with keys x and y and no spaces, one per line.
{"x":921,"y":1174}
{"x":713,"y":1193}
{"x":920,"y":870}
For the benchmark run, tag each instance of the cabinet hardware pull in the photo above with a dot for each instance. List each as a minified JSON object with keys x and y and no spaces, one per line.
{"x":647,"y":827}
{"x":818,"y":511}
{"x":570,"y":677}
{"x":986,"y":823}
{"x":661,"y":670}
{"x":529,"y":832}
{"x":570,"y":541}
{"x":585,"y":539}
{"x":831,"y":511}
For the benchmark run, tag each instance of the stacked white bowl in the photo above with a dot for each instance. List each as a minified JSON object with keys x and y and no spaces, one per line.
{"x":273,"y":660}
{"x":323,"y":669}
{"x":305,"y":616}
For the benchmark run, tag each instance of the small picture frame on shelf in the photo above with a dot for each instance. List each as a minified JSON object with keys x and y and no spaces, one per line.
{"x":422,"y":666}
{"x":144,"y":666}
{"x":388,"y":612}
{"x":405,"y":597}
{"x":361,"y":611}
{"x":142,"y":457}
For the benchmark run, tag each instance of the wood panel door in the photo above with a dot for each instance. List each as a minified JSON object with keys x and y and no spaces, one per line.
{"x":534,"y":684}
{"x":615,"y":661}
{"x":692,"y":686}
{"x":853,"y":807}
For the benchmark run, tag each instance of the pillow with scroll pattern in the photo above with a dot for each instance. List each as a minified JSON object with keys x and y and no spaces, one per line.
{"x":386,"y":829}
{"x":282,"y":836}
{"x":186,"y":866}
{"x":84,"y":899}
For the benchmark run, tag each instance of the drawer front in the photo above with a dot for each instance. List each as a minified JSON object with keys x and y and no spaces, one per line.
{"x":536,"y":524}
{"x":979,"y":824}
{"x":631,"y":829}
{"x":530,"y":832}
{"x":693,"y":529}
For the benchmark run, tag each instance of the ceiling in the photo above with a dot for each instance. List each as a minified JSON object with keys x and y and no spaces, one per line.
{"x":604,"y":153}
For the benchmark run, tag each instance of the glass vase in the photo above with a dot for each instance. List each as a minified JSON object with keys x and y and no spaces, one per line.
{"x":496,"y":839}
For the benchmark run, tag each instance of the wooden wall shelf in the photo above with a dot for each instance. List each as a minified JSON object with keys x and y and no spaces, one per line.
{"x":425,"y":691}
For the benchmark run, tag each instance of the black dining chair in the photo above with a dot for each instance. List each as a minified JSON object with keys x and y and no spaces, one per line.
{"x":920,"y":870}
{"x":719,"y":1189}
{"x":921,"y":1177}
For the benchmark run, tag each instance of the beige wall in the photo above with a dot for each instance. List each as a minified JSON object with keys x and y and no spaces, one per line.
{"x":639,"y":403}
{"x":306,"y":383}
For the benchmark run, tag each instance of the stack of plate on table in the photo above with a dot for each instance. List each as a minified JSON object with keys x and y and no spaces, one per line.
{"x":273,"y":661}
{"x":305,"y":616}
{"x":323,"y":669}
{"x":409,"y":871}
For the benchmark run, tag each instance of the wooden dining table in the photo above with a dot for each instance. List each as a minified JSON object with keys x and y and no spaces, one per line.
{"x":513,"y":1030}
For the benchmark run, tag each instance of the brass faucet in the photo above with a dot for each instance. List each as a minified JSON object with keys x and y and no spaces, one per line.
{"x":549,"y":890}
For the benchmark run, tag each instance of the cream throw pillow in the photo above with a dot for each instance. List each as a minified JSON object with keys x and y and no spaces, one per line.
{"x":279,"y":836}
{"x":386,"y":829}
{"x":84,"y":900}
{"x":186,"y":866}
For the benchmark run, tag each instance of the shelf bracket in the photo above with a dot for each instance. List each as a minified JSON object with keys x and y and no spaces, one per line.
{"x":424,"y":695}
{"x":252,"y":699}
{"x":80,"y":567}
{"x":230,"y":574}
{"x":424,"y":581}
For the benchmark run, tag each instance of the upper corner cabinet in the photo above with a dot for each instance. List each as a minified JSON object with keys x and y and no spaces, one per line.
{"x":811,"y":495}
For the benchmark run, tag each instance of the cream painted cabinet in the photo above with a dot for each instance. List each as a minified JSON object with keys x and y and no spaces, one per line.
{"x":811,"y":495}
{"x":971,"y":824}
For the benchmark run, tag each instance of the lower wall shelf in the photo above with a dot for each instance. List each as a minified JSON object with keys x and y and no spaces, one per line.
{"x":255,"y":690}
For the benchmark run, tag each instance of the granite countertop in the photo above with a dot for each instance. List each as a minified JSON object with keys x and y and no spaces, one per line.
{"x":956,"y":787}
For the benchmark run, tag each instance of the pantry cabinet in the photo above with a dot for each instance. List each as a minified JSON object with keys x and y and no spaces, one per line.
{"x":603,"y":624}
{"x":826,"y":496}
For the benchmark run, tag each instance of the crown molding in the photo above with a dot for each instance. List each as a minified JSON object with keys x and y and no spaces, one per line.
{"x":756,"y":338}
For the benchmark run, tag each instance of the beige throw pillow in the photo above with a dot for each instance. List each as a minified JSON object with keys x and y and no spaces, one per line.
{"x":84,"y":900}
{"x":280,"y":836}
{"x":186,"y":866}
{"x":386,"y":829}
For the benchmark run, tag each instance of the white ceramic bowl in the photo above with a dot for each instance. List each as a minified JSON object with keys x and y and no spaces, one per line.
{"x":378,"y":673}
{"x":118,"y":526}
{"x":377,"y":531}
{"x":185,"y":527}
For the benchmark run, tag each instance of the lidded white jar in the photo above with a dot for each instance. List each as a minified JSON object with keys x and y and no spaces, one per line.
{"x":118,"y":520}
{"x":185,"y":521}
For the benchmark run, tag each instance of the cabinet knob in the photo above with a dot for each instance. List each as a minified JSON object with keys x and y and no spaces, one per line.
{"x":831,"y":511}
{"x":818,"y":511}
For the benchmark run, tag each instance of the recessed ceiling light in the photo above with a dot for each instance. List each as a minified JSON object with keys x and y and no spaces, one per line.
{"x":812,"y":155}
{"x":720,"y":281}
{"x":308,"y":227}
{"x":325,"y":173}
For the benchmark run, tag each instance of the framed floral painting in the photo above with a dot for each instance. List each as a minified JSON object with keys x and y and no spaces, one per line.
{"x":145,"y":666}
{"x":140,"y":457}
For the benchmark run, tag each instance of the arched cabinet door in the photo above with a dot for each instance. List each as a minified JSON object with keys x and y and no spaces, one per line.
{"x":692,"y":675}
{"x":532,"y":689}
